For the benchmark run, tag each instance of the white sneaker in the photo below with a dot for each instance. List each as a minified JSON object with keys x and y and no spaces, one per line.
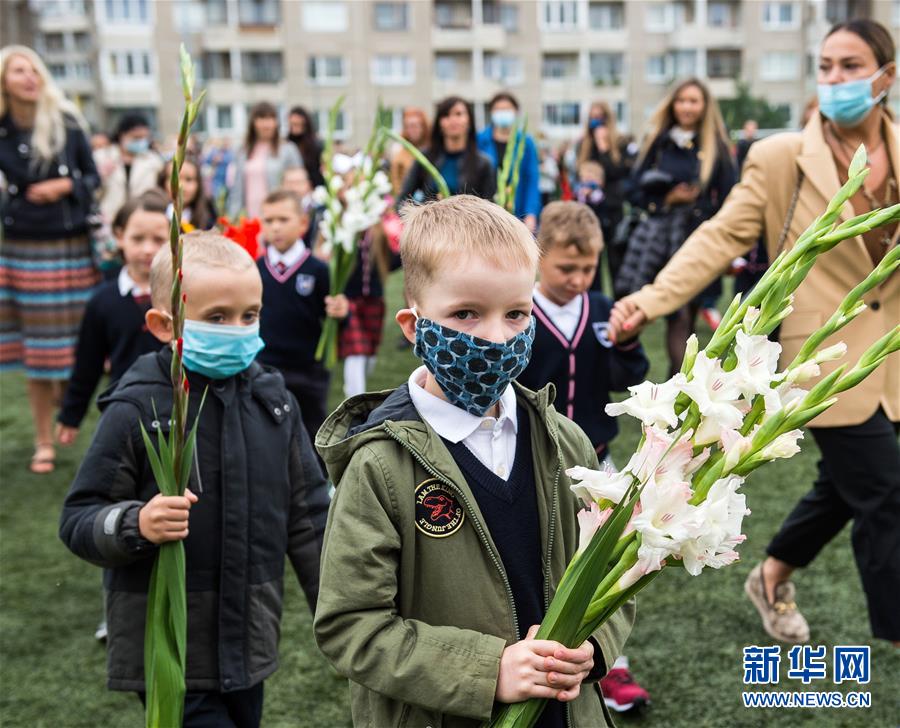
{"x":100,"y":634}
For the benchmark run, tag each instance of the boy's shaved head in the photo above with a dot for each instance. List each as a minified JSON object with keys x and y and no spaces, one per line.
{"x":202,"y":249}
{"x":436,"y":233}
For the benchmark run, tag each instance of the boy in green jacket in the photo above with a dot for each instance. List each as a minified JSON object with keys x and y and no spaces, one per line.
{"x":452,"y":521}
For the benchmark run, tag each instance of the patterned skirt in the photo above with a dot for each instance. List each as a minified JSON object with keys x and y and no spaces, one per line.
{"x":44,"y":287}
{"x":361,"y":336}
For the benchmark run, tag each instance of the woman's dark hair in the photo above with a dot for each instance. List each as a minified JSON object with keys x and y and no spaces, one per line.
{"x":129,"y":121}
{"x":437,"y":148}
{"x":503,"y":96}
{"x":875,"y":35}
{"x":262,"y":110}
{"x":307,"y":142}
{"x":149,"y":201}
{"x":203,"y":214}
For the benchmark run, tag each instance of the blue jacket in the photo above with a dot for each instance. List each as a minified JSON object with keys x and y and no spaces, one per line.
{"x":528,"y":195}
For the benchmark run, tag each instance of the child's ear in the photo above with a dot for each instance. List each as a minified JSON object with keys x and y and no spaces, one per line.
{"x":407,"y":321}
{"x":160,"y":324}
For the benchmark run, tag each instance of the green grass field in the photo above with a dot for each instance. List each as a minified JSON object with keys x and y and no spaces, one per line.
{"x":686,"y":647}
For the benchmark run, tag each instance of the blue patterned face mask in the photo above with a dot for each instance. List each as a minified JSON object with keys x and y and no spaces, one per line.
{"x":472,"y":372}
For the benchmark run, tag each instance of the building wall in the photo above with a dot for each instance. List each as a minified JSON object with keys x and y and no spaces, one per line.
{"x":450,"y":47}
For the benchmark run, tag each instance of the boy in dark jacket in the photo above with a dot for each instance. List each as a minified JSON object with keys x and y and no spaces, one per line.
{"x":452,"y":521}
{"x":256,"y":492}
{"x":573,"y":352}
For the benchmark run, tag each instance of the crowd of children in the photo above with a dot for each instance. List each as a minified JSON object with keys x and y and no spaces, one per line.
{"x":449,"y":482}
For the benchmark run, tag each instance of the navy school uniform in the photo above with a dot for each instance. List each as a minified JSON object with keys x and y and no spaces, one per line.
{"x":586,"y":368}
{"x":290,"y":325}
{"x":113,"y":328}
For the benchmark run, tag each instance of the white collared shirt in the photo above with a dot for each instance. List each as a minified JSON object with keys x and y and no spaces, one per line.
{"x":289,"y":257}
{"x":565,"y":317}
{"x":491,"y":440}
{"x":127,"y":285}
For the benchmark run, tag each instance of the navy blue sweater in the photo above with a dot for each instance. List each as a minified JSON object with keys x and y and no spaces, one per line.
{"x":586,"y":369}
{"x":510,"y":512}
{"x":292,"y":313}
{"x":113,"y":328}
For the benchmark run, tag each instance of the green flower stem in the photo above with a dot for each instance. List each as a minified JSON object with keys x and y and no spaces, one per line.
{"x":421,"y":159}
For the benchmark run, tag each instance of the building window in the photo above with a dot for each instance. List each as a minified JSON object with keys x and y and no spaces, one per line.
{"x":725,"y":63}
{"x":559,"y":15}
{"x":503,"y":69}
{"x":780,"y":16}
{"x":216,"y":65}
{"x":216,"y":12}
{"x":82,"y":42}
{"x":393,"y":70}
{"x":224,"y":119}
{"x":57,"y":70}
{"x":566,"y":113}
{"x":559,"y":66}
{"x":453,"y":66}
{"x":453,"y":14}
{"x":606,"y":16}
{"x":341,"y":127}
{"x":130,"y":64}
{"x":840,"y":11}
{"x":83,"y":70}
{"x":684,"y":63}
{"x":259,"y":12}
{"x":326,"y":70}
{"x":621,"y":111}
{"x":126,"y":11}
{"x":325,"y":17}
{"x":607,"y":69}
{"x":723,"y":15}
{"x":494,"y":12}
{"x":261,"y":67}
{"x":54,"y":42}
{"x":896,"y":19}
{"x":659,"y":17}
{"x":780,"y":66}
{"x":391,"y":16}
{"x":659,"y":68}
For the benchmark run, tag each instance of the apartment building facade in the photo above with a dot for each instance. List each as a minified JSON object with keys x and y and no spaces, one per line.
{"x":556,"y":55}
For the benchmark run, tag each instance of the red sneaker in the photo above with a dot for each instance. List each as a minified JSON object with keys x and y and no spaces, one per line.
{"x":621,"y":692}
{"x":712,"y":317}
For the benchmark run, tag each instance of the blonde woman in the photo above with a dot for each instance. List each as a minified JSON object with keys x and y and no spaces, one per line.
{"x":683,"y":174}
{"x":46,"y":270}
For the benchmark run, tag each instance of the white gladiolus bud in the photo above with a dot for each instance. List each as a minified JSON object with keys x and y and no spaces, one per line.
{"x":803,"y":373}
{"x":750,"y":317}
{"x":831,"y":353}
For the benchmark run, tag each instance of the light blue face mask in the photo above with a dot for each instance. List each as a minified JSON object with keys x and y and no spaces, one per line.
{"x":504,"y":118}
{"x":137,"y":146}
{"x":217,"y":351}
{"x":848,"y":103}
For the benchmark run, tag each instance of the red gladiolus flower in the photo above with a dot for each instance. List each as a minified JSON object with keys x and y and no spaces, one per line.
{"x":187,"y":386}
{"x":245,"y":234}
{"x":180,"y":346}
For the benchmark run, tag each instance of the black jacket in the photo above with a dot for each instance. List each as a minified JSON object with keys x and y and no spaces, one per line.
{"x":477,"y":176}
{"x":23,"y":220}
{"x":262,"y":495}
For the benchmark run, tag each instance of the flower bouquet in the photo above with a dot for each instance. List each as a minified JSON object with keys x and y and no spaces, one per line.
{"x":351,"y":208}
{"x":245,"y":234}
{"x":677,"y":503}
{"x":165,"y":635}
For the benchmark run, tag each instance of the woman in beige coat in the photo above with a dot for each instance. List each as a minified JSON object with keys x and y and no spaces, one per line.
{"x":787,"y":181}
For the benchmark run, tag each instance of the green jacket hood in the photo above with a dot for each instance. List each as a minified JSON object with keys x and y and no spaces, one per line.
{"x":390,"y":414}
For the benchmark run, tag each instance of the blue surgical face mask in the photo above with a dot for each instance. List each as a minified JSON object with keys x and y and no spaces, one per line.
{"x":504,"y":118}
{"x":137,"y":146}
{"x":848,"y":103}
{"x":596,"y":123}
{"x":218,"y":351}
{"x":473,"y":373}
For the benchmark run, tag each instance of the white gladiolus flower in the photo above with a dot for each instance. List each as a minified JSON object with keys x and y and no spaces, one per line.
{"x":718,"y":527}
{"x":735,"y":446}
{"x":836,"y":351}
{"x":757,"y":359}
{"x":335,"y":184}
{"x":596,"y":485}
{"x":589,"y":520}
{"x":716,"y":393}
{"x":803,"y":373}
{"x":653,"y":404}
{"x":320,"y":195}
{"x":782,"y":447}
{"x":783,"y":397}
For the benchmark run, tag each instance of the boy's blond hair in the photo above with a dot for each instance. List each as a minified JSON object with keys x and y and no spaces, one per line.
{"x":202,"y":249}
{"x":570,"y":223}
{"x":460,"y":226}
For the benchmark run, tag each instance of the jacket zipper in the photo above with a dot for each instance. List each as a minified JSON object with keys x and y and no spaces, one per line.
{"x":435,"y":474}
